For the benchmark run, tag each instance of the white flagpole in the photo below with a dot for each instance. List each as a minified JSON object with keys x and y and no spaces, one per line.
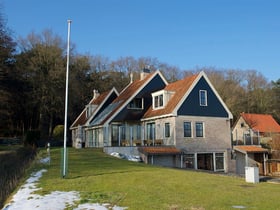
{"x":66,"y":100}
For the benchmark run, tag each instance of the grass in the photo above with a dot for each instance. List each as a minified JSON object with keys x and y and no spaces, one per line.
{"x":105,"y":179}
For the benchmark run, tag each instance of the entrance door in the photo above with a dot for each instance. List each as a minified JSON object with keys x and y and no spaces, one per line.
{"x":205,"y":161}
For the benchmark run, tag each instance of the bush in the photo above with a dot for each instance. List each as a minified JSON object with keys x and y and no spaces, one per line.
{"x":58,"y":132}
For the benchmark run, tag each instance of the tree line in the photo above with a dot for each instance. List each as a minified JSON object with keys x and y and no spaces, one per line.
{"x":32,"y":82}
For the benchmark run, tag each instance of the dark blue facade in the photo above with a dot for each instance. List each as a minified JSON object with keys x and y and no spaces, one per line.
{"x":191,"y":106}
{"x":135,"y":115}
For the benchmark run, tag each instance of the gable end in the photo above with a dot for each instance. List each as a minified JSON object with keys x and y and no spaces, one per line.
{"x":192,"y":104}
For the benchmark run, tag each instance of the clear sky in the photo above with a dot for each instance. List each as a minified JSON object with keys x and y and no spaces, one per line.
{"x":236,"y":34}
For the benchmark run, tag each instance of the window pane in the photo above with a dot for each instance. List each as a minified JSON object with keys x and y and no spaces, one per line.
{"x":219,"y":161}
{"x":189,"y":160}
{"x":138,"y":132}
{"x":203,"y":97}
{"x":187,"y":129}
{"x":161,"y":100}
{"x":167,"y":130}
{"x":150,"y":131}
{"x":199,"y":129}
{"x":156,"y":101}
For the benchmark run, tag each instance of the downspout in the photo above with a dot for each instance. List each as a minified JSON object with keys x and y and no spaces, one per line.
{"x":264,"y":164}
{"x":181,"y":160}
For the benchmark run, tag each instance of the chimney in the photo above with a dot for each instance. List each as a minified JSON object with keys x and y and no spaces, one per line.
{"x":95,"y":94}
{"x":146,"y":71}
{"x":131,"y":77}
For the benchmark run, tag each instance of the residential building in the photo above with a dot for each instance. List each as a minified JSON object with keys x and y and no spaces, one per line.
{"x":183,"y":124}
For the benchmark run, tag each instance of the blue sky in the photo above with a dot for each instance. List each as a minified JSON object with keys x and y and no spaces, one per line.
{"x":231,"y":34}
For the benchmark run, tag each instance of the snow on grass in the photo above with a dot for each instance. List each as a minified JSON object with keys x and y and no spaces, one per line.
{"x":26,"y":199}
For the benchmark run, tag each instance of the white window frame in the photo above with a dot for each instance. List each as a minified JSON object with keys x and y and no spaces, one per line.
{"x":190,"y":127}
{"x":203,"y":130}
{"x":201,"y":101}
{"x":156,"y":99}
{"x":167,"y":133}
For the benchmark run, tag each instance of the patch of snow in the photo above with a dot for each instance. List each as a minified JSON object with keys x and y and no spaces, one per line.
{"x":25,"y":199}
{"x":134,"y":158}
{"x":239,"y":207}
{"x":45,"y":160}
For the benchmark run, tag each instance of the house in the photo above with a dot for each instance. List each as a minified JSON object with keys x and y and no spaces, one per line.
{"x":253,"y":129}
{"x":92,"y":109}
{"x":249,"y":132}
{"x":182,"y":124}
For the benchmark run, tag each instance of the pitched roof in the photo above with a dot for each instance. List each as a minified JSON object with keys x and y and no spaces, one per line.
{"x":261,"y":122}
{"x":82,"y":119}
{"x":123,"y":99}
{"x":159,"y":150}
{"x":250,"y":149}
{"x":179,"y":88}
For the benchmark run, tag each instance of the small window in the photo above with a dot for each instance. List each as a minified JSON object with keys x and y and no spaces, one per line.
{"x":199,"y":131}
{"x":203,"y":98}
{"x":167,"y":129}
{"x":158,"y":101}
{"x":136,"y":103}
{"x":187,"y":129}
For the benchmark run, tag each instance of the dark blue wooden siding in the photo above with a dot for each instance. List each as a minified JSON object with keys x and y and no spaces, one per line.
{"x":192,"y":107}
{"x":135,"y":115}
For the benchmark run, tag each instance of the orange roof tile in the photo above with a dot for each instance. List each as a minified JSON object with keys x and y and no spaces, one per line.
{"x":261,"y":122}
{"x":250,"y":149}
{"x":159,"y":150}
{"x":126,"y":94}
{"x":179,"y":88}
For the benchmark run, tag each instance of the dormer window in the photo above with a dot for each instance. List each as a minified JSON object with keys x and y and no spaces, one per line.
{"x":136,"y":103}
{"x":161,"y":98}
{"x":203,"y":98}
{"x":158,"y":101}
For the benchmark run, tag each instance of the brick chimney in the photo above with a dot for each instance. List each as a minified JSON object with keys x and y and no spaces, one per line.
{"x":146,"y":71}
{"x":95,"y":94}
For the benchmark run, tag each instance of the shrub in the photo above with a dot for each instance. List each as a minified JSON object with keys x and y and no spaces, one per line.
{"x":58,"y":132}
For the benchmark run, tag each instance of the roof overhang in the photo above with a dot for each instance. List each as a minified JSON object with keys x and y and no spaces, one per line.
{"x":159,"y":150}
{"x":245,"y":149}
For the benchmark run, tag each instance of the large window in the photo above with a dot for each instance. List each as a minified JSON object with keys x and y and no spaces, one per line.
{"x":158,"y":101}
{"x":219,"y":161}
{"x":203,"y":98}
{"x":189,"y":161}
{"x":150,"y":131}
{"x":199,"y":130}
{"x":187,"y":129}
{"x":167,"y":129}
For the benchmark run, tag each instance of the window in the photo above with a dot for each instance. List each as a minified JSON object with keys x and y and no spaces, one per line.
{"x":189,"y":161}
{"x":187,"y":129}
{"x":167,"y":129}
{"x":151,"y":131}
{"x":136,"y":103}
{"x":203,"y":98}
{"x":158,"y":101}
{"x":219,"y":161}
{"x":199,"y":129}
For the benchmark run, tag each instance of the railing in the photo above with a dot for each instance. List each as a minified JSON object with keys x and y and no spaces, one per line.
{"x":156,"y":142}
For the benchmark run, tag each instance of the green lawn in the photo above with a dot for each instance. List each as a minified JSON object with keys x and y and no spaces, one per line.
{"x":105,"y":179}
